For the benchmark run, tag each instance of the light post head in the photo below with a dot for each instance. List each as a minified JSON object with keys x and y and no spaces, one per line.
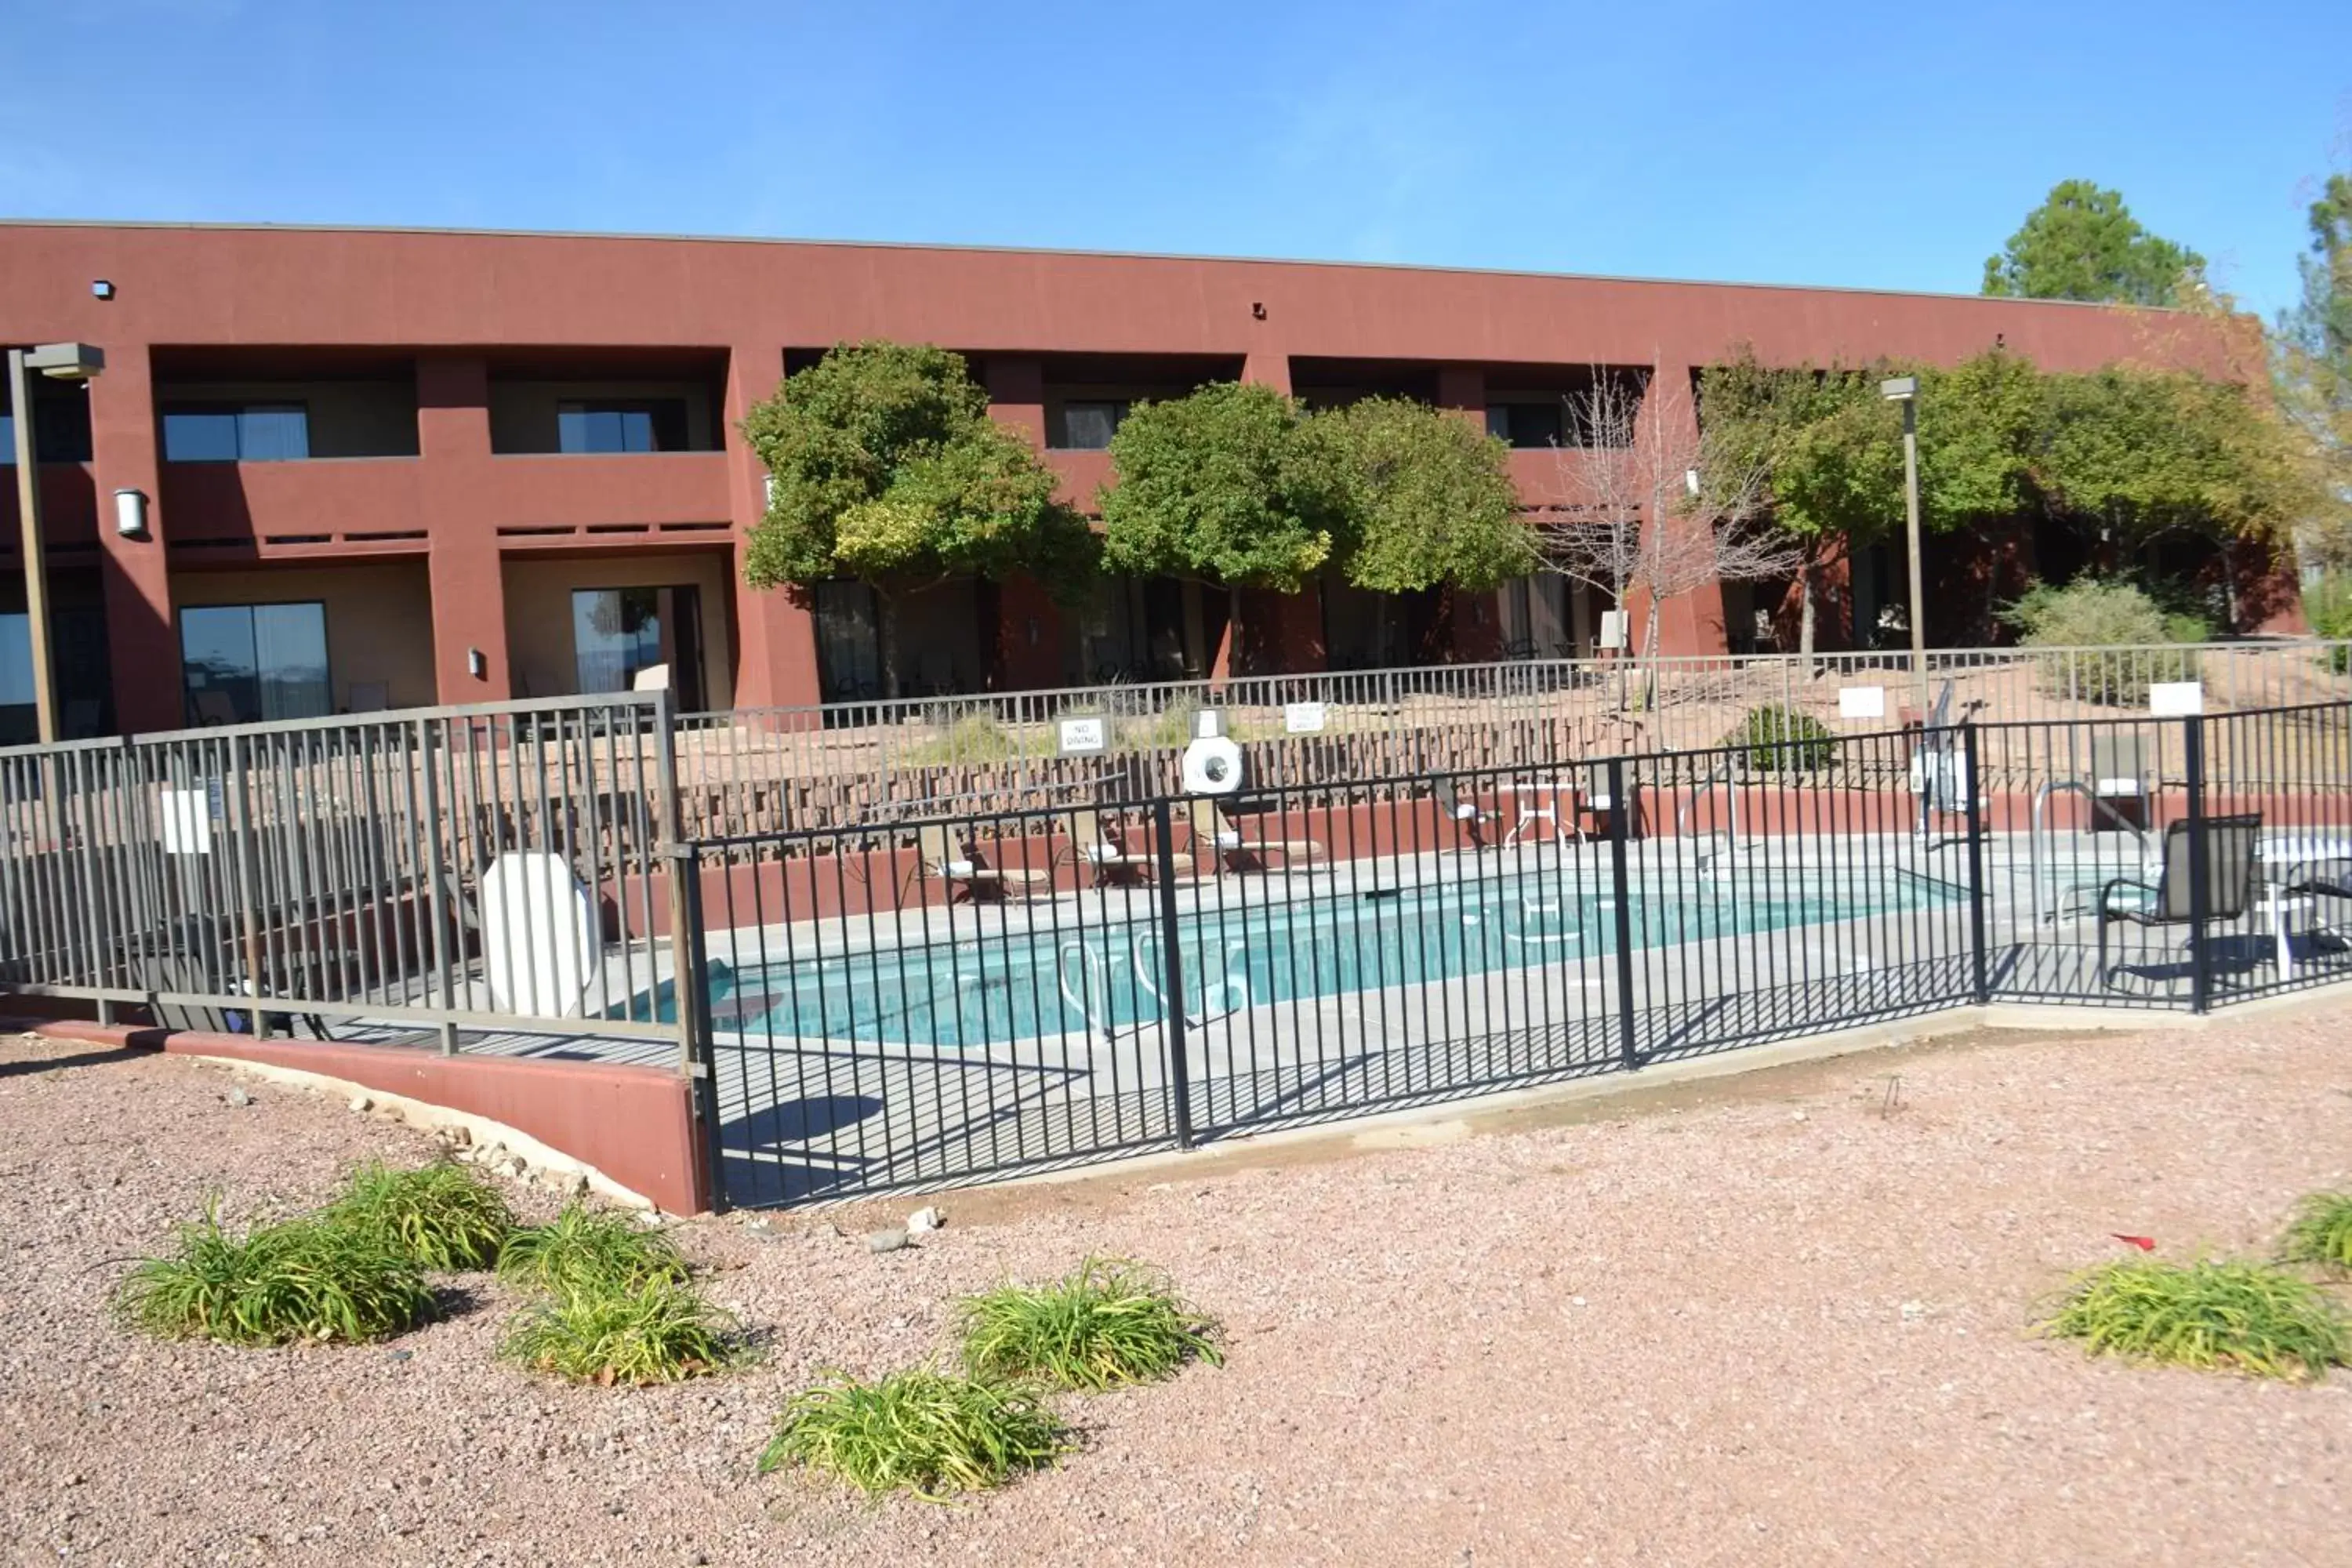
{"x":1899,"y":389}
{"x":65,"y":362}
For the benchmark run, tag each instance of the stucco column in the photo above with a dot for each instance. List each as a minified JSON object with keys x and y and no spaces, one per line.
{"x":1688,"y":623}
{"x":470,"y":602}
{"x":775,"y":634}
{"x":142,"y":643}
{"x":1462,"y":389}
{"x":1029,"y":631}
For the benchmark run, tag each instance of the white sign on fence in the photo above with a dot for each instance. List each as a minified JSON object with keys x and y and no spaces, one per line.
{"x":1084,"y":737}
{"x":187,"y":822}
{"x":1302,"y":718}
{"x":1208,"y":724}
{"x":1862,"y":702}
{"x":2176,"y":699}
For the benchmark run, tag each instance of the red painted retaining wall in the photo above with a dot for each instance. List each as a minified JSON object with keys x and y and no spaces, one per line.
{"x":634,"y":1124}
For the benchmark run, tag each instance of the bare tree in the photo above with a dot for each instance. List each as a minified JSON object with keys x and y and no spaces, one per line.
{"x":1647,"y":501}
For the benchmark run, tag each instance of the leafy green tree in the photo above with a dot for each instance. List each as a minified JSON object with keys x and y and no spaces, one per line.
{"x":2082,"y":243}
{"x":2313,"y":370}
{"x":1427,"y":495}
{"x":1219,"y":486}
{"x":888,"y":469}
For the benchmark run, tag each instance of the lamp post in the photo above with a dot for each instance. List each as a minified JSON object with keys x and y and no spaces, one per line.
{"x":60,"y":362}
{"x":1904,"y":390}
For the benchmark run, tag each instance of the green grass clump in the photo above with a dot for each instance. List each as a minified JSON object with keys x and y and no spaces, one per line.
{"x":584,"y":1250}
{"x":2322,"y":1232}
{"x":1111,"y":1323}
{"x":2243,"y":1315}
{"x":919,"y":1431}
{"x":654,"y":1330}
{"x":441,"y":1216}
{"x":303,"y":1280}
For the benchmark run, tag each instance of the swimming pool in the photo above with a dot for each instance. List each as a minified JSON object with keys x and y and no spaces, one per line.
{"x":1103,"y":978}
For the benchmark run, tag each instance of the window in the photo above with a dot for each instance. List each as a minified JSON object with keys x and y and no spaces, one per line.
{"x":243,"y":664}
{"x":259,"y":433}
{"x":1526,"y":424}
{"x":1087,"y":426}
{"x":617,"y":632}
{"x":655,"y":426}
{"x":18,"y":725}
{"x":60,"y":429}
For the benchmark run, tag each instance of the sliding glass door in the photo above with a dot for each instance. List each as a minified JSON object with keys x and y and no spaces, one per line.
{"x":245,"y":664}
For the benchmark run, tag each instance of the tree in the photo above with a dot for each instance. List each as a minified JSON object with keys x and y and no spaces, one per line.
{"x":2082,"y":243}
{"x":2314,"y":373}
{"x":1218,"y":486}
{"x":887,"y":468}
{"x":1631,"y":518}
{"x":1428,"y":499}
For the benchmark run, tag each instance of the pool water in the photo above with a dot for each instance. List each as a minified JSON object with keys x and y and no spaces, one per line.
{"x":1102,"y":978}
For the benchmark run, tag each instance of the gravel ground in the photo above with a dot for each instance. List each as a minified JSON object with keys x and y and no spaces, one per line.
{"x":1765,"y":1321}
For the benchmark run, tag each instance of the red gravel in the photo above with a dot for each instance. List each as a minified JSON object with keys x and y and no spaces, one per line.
{"x":1714,"y":1330}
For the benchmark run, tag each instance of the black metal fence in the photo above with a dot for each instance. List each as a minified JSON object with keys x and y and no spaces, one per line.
{"x":880,"y":1008}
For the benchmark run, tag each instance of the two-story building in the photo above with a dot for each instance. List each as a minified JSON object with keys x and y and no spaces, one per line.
{"x":393,"y":468}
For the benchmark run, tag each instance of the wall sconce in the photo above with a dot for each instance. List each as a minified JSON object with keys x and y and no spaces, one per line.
{"x":131,"y":513}
{"x":768,"y":491}
{"x":475,"y":665}
{"x":1257,"y":310}
{"x":100,"y":289}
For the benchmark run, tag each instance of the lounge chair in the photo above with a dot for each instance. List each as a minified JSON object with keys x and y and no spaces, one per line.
{"x":1217,"y":826}
{"x":938,"y":856}
{"x":1467,"y":816}
{"x":2118,"y":782}
{"x":2229,"y":865}
{"x":1105,"y":851}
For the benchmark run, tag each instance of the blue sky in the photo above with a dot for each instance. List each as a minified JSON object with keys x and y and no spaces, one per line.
{"x":1870,"y":145}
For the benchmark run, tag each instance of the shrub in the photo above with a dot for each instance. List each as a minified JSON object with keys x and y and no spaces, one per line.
{"x":2327,"y":607}
{"x":441,"y":1216}
{"x":974,"y":737}
{"x":1776,"y":738}
{"x":584,"y":1250}
{"x":917,"y":1431}
{"x":2322,"y":1232}
{"x":2112,"y":633}
{"x":303,"y":1280}
{"x":1110,"y":1322}
{"x":654,"y":1330}
{"x":2204,"y":1314}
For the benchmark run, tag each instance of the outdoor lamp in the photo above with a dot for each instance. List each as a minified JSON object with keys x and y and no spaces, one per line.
{"x":131,"y":513}
{"x":1899,"y":389}
{"x":65,"y":362}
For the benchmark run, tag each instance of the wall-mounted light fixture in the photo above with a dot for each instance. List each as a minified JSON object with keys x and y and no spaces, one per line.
{"x":131,"y":513}
{"x":475,"y":665}
{"x":1257,"y":310}
{"x":100,"y":289}
{"x":1690,"y":482}
{"x":767,"y":490}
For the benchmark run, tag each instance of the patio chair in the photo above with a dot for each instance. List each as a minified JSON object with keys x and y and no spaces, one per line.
{"x":1234,"y":849}
{"x":1468,"y":818}
{"x":1105,"y":850}
{"x":2230,"y":865}
{"x":937,"y":855}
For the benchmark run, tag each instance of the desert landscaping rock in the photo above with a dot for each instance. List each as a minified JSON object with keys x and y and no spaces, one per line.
{"x":884,"y":1240}
{"x":237,"y":1096}
{"x":1408,"y":1380}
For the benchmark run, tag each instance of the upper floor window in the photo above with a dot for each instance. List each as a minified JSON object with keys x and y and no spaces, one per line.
{"x":1533,"y":424}
{"x":657,"y":425}
{"x":1088,"y":425}
{"x":248,"y":433}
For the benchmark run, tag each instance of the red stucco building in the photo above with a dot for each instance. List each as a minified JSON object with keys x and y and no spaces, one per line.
{"x":388,"y":467}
